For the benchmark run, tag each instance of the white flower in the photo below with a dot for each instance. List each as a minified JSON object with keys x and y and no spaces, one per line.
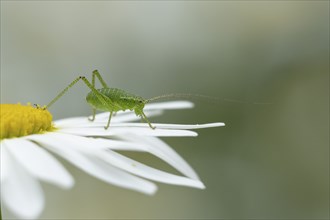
{"x":27,"y":159}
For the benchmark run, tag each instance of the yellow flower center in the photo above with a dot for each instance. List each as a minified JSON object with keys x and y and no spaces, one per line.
{"x":18,"y":120}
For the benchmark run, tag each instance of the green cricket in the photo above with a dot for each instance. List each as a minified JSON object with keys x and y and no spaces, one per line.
{"x":108,"y":99}
{"x":113,"y":100}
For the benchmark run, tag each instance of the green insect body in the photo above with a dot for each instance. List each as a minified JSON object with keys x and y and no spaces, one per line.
{"x":108,"y":99}
{"x":113,"y":100}
{"x":120,"y":100}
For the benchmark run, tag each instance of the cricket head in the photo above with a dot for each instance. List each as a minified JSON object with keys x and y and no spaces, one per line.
{"x":139,"y":103}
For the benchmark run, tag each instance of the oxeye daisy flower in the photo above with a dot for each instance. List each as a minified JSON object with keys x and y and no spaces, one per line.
{"x":30,"y":139}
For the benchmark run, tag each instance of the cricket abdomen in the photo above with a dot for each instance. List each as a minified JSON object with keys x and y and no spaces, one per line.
{"x":117,"y":99}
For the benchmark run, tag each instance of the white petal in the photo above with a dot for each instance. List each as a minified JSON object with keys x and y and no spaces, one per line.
{"x":145,"y":171}
{"x":72,"y":120}
{"x":125,"y":116}
{"x":169,"y":105}
{"x":125,"y":163}
{"x":4,"y":161}
{"x":39,"y":162}
{"x":119,"y":145}
{"x":121,"y":178}
{"x":171,"y":126}
{"x":145,"y":125}
{"x":102,"y":118}
{"x":133,"y":117}
{"x":101,"y":143}
{"x":163,"y":151}
{"x":22,"y":193}
{"x":61,"y":145}
{"x":157,"y":106}
{"x":163,"y":126}
{"x":137,"y":143}
{"x":113,"y":131}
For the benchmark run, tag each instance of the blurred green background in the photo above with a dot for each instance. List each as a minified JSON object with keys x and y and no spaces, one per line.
{"x":270,"y":161}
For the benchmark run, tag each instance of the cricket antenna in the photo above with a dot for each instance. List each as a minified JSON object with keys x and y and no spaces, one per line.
{"x":168,"y":96}
{"x":202,"y":97}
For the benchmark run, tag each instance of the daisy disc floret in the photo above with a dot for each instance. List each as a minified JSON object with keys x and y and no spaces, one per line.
{"x":19,"y":120}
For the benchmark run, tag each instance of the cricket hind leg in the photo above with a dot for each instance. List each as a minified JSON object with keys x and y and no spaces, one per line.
{"x":101,"y":98}
{"x":98,"y":75}
{"x":104,"y":85}
{"x":144,"y":117}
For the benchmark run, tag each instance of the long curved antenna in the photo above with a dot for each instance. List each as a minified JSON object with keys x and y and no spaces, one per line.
{"x":203,"y":97}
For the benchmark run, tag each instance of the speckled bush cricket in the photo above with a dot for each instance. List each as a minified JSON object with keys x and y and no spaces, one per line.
{"x":109,"y":99}
{"x":114,"y":100}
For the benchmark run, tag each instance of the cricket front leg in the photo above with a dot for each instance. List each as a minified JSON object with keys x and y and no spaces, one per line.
{"x":146,"y":119}
{"x":108,"y":124}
